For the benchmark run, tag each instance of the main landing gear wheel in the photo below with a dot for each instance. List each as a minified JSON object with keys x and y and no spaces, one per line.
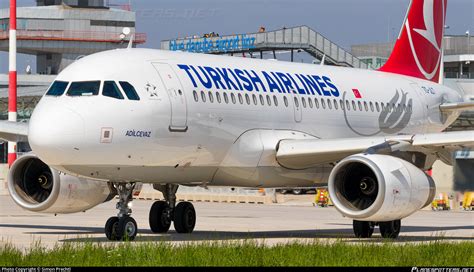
{"x":184,"y":217}
{"x":390,"y":229}
{"x":363,"y":229}
{"x":162,"y":213}
{"x":123,"y":226}
{"x":160,"y":217}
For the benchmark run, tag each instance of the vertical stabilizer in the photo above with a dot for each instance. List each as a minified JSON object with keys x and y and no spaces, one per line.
{"x":418,"y":51}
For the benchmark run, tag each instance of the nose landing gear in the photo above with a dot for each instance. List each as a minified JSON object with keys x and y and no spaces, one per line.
{"x":162,"y":213}
{"x":123,"y":226}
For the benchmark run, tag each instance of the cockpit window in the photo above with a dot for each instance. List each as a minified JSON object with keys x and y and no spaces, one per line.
{"x":111,"y":90}
{"x":84,"y":88}
{"x":57,"y":88}
{"x":129,"y":90}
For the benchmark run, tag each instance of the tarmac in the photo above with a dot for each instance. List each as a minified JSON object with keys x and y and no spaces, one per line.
{"x":295,"y":220}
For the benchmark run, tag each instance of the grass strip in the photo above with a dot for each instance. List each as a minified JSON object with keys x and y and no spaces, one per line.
{"x":245,"y":253}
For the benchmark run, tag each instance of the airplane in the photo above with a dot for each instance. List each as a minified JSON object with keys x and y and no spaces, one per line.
{"x":116,"y":118}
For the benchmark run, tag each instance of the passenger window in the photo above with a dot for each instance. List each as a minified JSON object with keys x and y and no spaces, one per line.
{"x":360,"y":105}
{"x":218,"y":97}
{"x":310,"y":102}
{"x":203,"y":96}
{"x":285,"y":100}
{"x":316,"y":103}
{"x":348,"y":105}
{"x":365,"y":106}
{"x":129,"y":90}
{"x":335,"y":104}
{"x":371,"y":107}
{"x":303,"y":101}
{"x":58,"y":88}
{"x":232,"y":97}
{"x":247,"y":99}
{"x":226,"y":98}
{"x":196,"y":97}
{"x":323,"y":104}
{"x":297,"y":104}
{"x":241,"y":100}
{"x":211,"y":97}
{"x":354,"y":105}
{"x":262,"y":100}
{"x":84,"y":88}
{"x":342,"y":104}
{"x":269,"y":100}
{"x":254,"y":97}
{"x":111,"y":89}
{"x":377,"y":106}
{"x":275,"y":101}
{"x":329,"y":104}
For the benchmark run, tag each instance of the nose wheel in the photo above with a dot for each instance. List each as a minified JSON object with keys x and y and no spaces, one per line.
{"x":122,"y":227}
{"x":162,"y":213}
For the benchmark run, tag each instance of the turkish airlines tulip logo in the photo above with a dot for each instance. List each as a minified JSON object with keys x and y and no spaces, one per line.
{"x":425,"y":35}
{"x":397,"y":114}
{"x":394,"y":115}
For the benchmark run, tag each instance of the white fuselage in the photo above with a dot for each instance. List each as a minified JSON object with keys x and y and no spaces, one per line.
{"x":169,"y":136}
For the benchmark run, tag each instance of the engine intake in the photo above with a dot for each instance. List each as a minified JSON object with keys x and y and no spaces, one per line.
{"x":379,"y":187}
{"x":35,"y":186}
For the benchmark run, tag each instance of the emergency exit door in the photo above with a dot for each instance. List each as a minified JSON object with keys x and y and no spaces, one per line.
{"x":174,"y":89}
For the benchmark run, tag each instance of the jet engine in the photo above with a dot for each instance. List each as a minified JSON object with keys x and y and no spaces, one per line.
{"x":378,"y":188}
{"x":37,"y":187}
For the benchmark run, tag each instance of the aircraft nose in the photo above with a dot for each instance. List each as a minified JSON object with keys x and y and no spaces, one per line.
{"x":55,"y":132}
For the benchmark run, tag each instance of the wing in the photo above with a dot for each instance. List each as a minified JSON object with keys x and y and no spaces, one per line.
{"x":13,"y":131}
{"x":305,"y":153}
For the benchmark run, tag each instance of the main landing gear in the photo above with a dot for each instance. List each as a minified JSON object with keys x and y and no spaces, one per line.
{"x":122,"y":227}
{"x":388,"y":229}
{"x":162,"y":213}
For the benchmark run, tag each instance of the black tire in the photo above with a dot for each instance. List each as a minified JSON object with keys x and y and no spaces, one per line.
{"x":363,"y":229}
{"x":390,"y":229}
{"x":283,"y":191}
{"x":127,"y":229}
{"x":111,"y":227}
{"x":159,"y":220}
{"x":184,"y":217}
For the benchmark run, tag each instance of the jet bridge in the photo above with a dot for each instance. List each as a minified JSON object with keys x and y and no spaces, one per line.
{"x":300,"y":38}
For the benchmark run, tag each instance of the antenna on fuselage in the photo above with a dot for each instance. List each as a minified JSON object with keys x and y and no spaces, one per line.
{"x":130,"y":42}
{"x":323,"y":60}
{"x":126,"y":32}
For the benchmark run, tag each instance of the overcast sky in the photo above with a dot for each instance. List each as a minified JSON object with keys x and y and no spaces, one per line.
{"x":345,"y":22}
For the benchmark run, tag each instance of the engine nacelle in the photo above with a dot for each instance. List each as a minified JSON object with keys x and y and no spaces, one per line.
{"x":37,"y":187}
{"x":379,"y":188}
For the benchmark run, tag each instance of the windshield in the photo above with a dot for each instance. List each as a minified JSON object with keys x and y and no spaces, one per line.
{"x":85,"y":88}
{"x":111,"y":90}
{"x":57,"y":88}
{"x":129,"y":90}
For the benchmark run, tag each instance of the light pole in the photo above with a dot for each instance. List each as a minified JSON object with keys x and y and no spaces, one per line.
{"x":12,"y":79}
{"x":468,"y":34}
